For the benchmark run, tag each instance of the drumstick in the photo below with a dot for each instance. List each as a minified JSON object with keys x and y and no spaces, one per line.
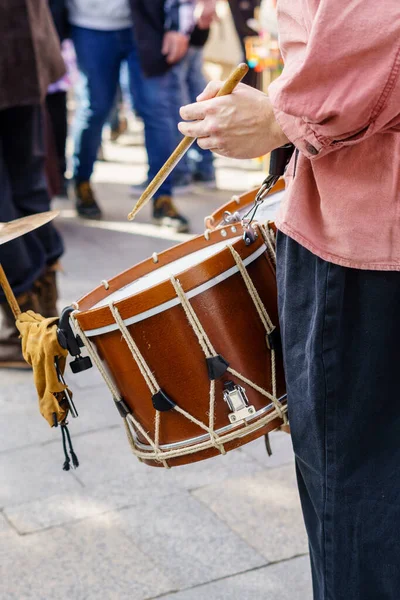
{"x":9,"y":294}
{"x":234,"y":78}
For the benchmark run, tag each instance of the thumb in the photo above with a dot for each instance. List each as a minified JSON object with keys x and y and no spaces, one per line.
{"x":210,"y":91}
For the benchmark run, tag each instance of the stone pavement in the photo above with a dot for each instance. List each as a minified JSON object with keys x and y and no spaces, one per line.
{"x":229,"y":527}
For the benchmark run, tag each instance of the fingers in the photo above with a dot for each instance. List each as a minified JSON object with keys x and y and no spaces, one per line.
{"x":210,"y":91}
{"x":209,"y":143}
{"x":174,"y":46}
{"x":194,"y":128}
{"x":174,"y":53}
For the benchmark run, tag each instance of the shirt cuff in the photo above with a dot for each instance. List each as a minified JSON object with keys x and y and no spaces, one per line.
{"x":300,"y":134}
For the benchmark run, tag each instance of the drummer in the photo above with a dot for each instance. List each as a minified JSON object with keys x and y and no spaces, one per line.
{"x":338,"y":102}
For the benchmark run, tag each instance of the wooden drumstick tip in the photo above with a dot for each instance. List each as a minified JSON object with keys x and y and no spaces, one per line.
{"x":234,"y":78}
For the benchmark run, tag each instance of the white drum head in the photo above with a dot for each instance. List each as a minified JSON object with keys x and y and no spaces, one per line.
{"x":164,"y":273}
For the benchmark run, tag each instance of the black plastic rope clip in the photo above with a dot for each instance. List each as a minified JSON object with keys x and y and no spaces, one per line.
{"x":216,"y":366}
{"x":162,"y":402}
{"x":123,"y":408}
{"x":274,"y":341}
{"x":71,"y":342}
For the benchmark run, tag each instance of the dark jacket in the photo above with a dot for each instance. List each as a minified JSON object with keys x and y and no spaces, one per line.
{"x":58,"y":10}
{"x":30,"y":57}
{"x":151,"y":19}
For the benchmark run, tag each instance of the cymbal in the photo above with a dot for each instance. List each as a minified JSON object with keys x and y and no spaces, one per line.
{"x":14,"y":229}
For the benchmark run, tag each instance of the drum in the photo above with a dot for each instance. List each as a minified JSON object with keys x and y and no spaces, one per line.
{"x":234,"y":210}
{"x":188,"y":343}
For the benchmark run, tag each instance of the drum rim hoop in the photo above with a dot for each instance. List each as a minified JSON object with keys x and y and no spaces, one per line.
{"x":164,"y":306}
{"x":221,"y":431}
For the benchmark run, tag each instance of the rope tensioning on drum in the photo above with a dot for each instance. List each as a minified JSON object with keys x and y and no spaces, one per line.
{"x":265,"y":319}
{"x":122,"y":407}
{"x":155,"y":390}
{"x":215,"y":363}
{"x":208,"y":348}
{"x":159,"y":454}
{"x":270,"y":241}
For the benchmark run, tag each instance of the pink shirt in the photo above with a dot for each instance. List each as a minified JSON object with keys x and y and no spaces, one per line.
{"x":338,"y":101}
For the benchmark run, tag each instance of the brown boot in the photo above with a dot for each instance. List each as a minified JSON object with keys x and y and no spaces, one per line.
{"x":10,"y":343}
{"x":45,"y":289}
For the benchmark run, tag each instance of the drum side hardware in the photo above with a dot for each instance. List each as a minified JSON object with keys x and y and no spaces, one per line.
{"x":236,"y":399}
{"x":216,"y":366}
{"x":230,"y":218}
{"x":279,"y":161}
{"x":71,"y":342}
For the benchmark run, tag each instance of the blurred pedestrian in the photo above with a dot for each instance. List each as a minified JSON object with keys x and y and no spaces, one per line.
{"x":30,"y":60}
{"x":243,"y":13}
{"x":150,"y":36}
{"x":56,"y":102}
{"x":187,"y":82}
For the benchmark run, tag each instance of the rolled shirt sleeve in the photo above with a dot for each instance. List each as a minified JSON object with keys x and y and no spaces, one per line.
{"x":340,"y":83}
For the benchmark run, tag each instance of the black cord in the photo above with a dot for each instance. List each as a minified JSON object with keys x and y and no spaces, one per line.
{"x":67,"y":462}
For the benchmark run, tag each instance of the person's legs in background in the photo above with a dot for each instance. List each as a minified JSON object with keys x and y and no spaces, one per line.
{"x":179,"y":92}
{"x":187,"y":82}
{"x":30,"y":262}
{"x":202,"y":160}
{"x":56,"y":105}
{"x":151,"y":98}
{"x":99,"y":56}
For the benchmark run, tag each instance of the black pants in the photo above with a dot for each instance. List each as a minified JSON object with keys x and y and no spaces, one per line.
{"x":23,"y":191}
{"x":341,"y":341}
{"x":57,"y":108}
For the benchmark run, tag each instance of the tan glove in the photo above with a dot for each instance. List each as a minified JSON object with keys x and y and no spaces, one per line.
{"x":40,"y":346}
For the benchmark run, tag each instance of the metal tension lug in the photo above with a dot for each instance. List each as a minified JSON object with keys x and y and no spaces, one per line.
{"x":236,"y":399}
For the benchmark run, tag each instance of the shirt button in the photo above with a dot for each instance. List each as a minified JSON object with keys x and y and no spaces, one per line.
{"x":311,"y":149}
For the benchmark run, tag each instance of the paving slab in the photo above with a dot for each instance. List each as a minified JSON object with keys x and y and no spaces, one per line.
{"x":61,"y":509}
{"x":264,"y":509}
{"x":186,"y":539}
{"x":290,"y":580}
{"x":22,"y":424}
{"x":5,"y":527}
{"x":34,"y":472}
{"x":105,"y":455}
{"x":87,"y":561}
{"x":214,"y":470}
{"x":282,"y":450}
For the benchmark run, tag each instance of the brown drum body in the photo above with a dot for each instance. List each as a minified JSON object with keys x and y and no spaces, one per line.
{"x":171,"y":349}
{"x":241,"y":204}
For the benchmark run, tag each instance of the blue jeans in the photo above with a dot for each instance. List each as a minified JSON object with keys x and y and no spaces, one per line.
{"x":187,"y":82}
{"x":340,"y":332}
{"x":23,"y":191}
{"x":99,"y":55}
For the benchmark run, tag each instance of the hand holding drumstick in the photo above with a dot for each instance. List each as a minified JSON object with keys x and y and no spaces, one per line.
{"x":224,"y":89}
